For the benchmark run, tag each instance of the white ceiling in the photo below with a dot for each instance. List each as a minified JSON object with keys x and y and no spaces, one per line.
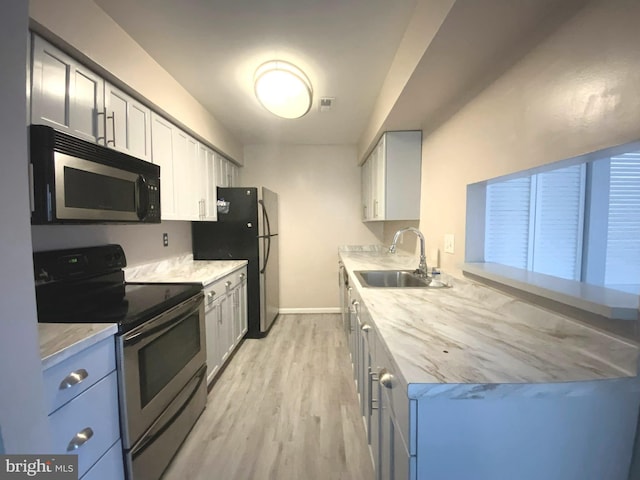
{"x":346,"y":47}
{"x":212,"y":47}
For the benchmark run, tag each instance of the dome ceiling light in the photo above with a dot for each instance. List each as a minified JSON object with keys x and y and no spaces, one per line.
{"x":283,"y":89}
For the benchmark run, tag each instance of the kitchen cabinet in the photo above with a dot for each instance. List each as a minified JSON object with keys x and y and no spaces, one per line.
{"x":382,"y":394}
{"x":391,"y":178}
{"x":225,"y":319}
{"x":82,"y":400}
{"x":162,"y":154}
{"x":186,"y":177}
{"x":227,"y":174}
{"x":207,"y":184}
{"x":69,"y":97}
{"x":127,"y":123}
{"x":64,"y":94}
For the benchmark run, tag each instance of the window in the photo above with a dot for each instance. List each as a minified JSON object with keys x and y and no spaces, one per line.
{"x":579,"y":222}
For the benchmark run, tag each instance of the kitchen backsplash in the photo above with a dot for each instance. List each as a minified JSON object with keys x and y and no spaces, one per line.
{"x":141,"y":243}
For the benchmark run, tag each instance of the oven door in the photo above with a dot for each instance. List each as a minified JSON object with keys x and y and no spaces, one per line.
{"x":87,"y":190}
{"x":156,"y":360}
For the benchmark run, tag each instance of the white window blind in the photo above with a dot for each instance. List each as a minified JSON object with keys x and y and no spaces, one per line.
{"x":623,"y":237}
{"x":507,"y":222}
{"x":559,"y":221}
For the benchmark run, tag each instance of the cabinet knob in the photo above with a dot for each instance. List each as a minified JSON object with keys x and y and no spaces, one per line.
{"x":242,"y":275}
{"x":386,"y":379}
{"x":82,"y":437}
{"x":365,"y":328}
{"x":227,"y":283}
{"x":210,"y":295}
{"x":74,"y":378}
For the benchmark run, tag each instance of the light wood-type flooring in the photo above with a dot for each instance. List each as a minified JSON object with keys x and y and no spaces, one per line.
{"x":284,"y":408}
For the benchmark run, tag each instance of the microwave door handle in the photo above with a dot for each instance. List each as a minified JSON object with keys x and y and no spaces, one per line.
{"x":142,"y":197}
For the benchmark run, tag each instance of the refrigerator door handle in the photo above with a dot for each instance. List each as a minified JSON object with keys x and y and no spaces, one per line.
{"x":266,"y":257}
{"x":266,"y":218}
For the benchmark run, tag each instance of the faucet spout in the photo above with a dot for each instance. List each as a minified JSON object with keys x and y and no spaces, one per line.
{"x":422,"y":266}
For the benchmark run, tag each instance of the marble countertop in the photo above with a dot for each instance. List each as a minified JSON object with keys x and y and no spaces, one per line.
{"x":472,"y":334}
{"x":183,"y":269}
{"x":59,"y":341}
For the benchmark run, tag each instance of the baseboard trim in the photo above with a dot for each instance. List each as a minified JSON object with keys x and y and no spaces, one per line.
{"x":298,"y":311}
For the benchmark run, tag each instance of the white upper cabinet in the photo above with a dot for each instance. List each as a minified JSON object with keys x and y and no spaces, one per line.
{"x":186,"y":178}
{"x":128,"y":123}
{"x":227,"y":173}
{"x":71,"y":98}
{"x":207,"y":182}
{"x":65,"y":94}
{"x":162,"y":154}
{"x":391,"y":178}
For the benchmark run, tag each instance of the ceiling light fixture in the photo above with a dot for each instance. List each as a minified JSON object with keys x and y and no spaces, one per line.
{"x":283,"y":89}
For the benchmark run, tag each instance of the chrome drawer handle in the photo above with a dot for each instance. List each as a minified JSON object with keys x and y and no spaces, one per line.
{"x":73,"y":378}
{"x":82,"y":437}
{"x":386,"y":379}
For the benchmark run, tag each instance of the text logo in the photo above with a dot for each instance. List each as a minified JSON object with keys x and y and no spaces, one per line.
{"x":50,"y":467}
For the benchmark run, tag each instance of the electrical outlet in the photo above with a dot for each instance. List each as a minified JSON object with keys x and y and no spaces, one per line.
{"x":165,"y":239}
{"x":449,"y":243}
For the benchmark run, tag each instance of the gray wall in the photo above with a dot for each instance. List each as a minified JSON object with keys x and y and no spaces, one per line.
{"x":141,"y":243}
{"x":22,"y":408}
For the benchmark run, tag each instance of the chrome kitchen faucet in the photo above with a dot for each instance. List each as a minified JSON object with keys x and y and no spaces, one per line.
{"x":421,"y":271}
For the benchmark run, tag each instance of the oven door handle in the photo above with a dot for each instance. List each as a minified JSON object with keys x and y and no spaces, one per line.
{"x":161,"y":425}
{"x":152,"y":328}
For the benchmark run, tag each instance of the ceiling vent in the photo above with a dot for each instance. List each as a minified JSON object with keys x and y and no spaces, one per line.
{"x":326,"y":103}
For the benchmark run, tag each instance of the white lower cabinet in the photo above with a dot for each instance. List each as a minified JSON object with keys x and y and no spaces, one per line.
{"x":82,"y":398}
{"x":225,"y":318}
{"x":109,"y":467}
{"x":384,"y":403}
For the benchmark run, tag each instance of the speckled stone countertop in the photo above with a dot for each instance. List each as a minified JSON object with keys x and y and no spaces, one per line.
{"x":183,"y":269}
{"x":59,"y":341}
{"x":491,"y":339}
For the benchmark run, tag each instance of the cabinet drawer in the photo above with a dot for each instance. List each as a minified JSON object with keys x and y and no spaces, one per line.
{"x":109,"y":467}
{"x":64,"y":381}
{"x":95,"y":409}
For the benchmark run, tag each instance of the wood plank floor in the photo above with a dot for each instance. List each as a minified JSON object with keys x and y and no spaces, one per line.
{"x":284,"y":408}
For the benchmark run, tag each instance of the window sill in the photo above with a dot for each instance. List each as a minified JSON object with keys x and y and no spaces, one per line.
{"x":604,"y":302}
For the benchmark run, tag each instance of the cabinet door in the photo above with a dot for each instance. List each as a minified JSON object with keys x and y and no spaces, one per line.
{"x":214,"y":358}
{"x":221,"y":171}
{"x":66,"y":95}
{"x":366,"y":193}
{"x":225,"y":326}
{"x":233,"y":173}
{"x":162,"y":154}
{"x":128,"y":124}
{"x":185,"y":166}
{"x":207,"y":191}
{"x":378,"y":184}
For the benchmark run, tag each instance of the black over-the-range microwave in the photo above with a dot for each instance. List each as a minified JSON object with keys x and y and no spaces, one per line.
{"x":75,"y":181}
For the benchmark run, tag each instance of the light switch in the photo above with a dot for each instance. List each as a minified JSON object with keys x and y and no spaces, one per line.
{"x":448,"y":243}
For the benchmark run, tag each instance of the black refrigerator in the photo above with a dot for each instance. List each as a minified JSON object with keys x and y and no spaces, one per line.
{"x":247,"y":228}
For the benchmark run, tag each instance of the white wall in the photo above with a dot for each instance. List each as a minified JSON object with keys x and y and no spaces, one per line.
{"x":22,"y":409}
{"x":576,"y":92}
{"x":319,"y":209}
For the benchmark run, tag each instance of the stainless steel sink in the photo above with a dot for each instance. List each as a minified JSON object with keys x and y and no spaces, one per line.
{"x":396,"y":279}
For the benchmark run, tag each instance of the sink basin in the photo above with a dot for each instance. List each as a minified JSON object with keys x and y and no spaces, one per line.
{"x":396,"y":279}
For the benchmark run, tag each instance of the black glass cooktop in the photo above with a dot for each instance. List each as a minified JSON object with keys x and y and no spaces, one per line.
{"x":127,"y":304}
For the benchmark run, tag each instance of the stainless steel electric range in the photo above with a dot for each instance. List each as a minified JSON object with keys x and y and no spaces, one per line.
{"x":160,"y":345}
